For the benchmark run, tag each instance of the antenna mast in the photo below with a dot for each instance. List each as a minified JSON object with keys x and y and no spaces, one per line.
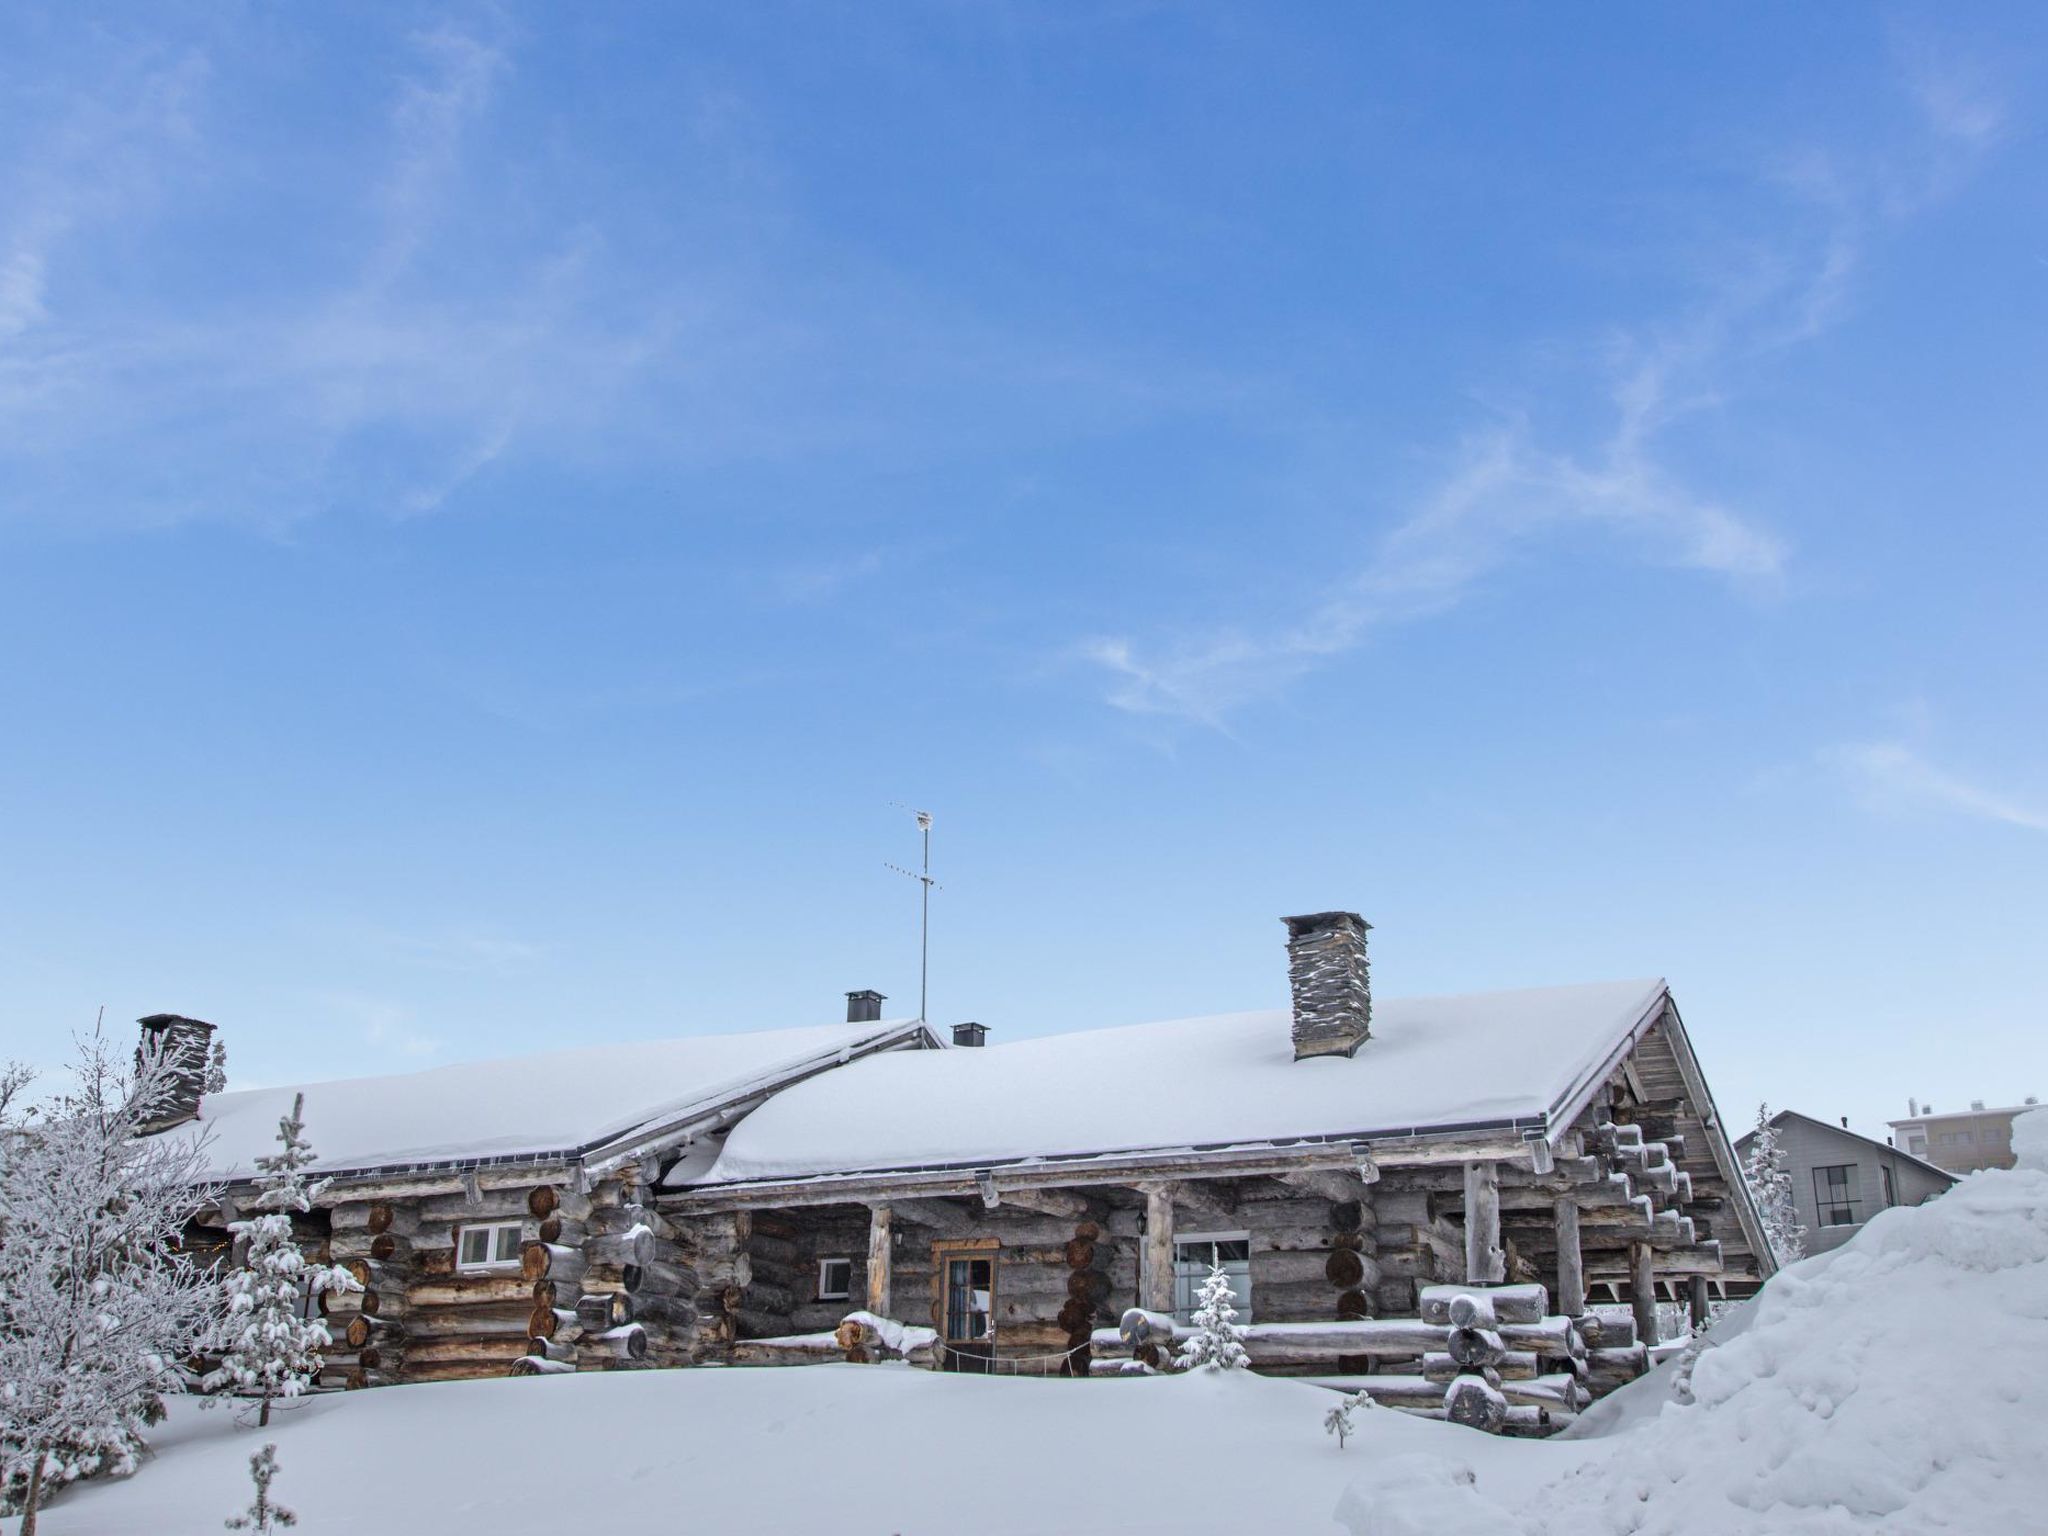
{"x":924,"y":931}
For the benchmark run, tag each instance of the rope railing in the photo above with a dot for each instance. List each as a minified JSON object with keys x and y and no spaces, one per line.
{"x":1012,"y":1365}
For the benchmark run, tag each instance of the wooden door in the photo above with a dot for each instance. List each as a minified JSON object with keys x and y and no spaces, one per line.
{"x":967,"y":1307}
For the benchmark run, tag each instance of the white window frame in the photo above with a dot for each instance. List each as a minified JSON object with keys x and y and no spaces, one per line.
{"x":1193,"y":1285}
{"x":825,"y":1291}
{"x":491,"y":1266}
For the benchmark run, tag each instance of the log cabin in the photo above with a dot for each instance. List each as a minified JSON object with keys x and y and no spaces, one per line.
{"x":1469,"y":1205}
{"x":496,"y":1212}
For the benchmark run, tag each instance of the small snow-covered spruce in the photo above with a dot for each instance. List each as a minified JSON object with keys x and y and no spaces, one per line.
{"x":273,"y":1352}
{"x":1770,"y":1185}
{"x":1218,"y":1343}
{"x":1338,"y":1420}
{"x":262,"y":1515}
{"x":216,"y":1080}
{"x":98,"y":1305}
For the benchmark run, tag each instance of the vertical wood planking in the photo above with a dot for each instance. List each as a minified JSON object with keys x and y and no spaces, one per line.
{"x":1642,"y":1286}
{"x":880,"y":1251}
{"x":1155,"y":1285}
{"x":1485,"y":1259}
{"x":1571,"y":1260}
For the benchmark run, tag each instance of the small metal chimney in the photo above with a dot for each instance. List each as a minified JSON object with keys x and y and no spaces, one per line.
{"x":864,"y":1007}
{"x":186,"y":1045}
{"x":1331,"y":981}
{"x":970,"y":1034}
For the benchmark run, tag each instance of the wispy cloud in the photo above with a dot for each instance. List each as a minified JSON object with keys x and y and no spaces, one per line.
{"x":376,"y":382}
{"x":389,"y":1030}
{"x":1505,"y":490}
{"x":465,"y":950}
{"x":1509,"y":485}
{"x":1892,"y":777}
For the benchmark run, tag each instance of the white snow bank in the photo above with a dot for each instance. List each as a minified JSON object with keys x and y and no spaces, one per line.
{"x":1894,"y":1385}
{"x":856,"y":1448}
{"x":2030,"y":1140}
{"x":552,"y":1102}
{"x":1431,"y":1062}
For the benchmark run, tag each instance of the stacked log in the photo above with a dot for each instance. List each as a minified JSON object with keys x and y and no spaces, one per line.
{"x":1312,"y":1257}
{"x":1561,"y":1393}
{"x":863,"y":1339}
{"x":373,"y":1241}
{"x":1353,"y":1265}
{"x":723,"y":1270}
{"x":553,"y":1260}
{"x":1416,"y":1244}
{"x":1087,"y":1288}
{"x":1476,"y":1352}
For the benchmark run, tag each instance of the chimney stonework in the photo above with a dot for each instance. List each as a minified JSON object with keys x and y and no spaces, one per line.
{"x":1332,"y":983}
{"x":187,"y":1045}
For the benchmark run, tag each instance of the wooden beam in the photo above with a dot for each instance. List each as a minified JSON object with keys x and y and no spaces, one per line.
{"x":1047,"y":1202}
{"x":1696,"y":1300}
{"x":1642,"y":1287}
{"x":881,"y":1255}
{"x":1338,"y":1186}
{"x":1571,"y":1262}
{"x":1155,"y":1279}
{"x":942,"y":1217}
{"x":1486,"y":1262}
{"x":1127,"y":1170}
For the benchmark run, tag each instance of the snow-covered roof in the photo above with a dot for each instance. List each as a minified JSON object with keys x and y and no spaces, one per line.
{"x":557,"y":1101}
{"x":1432,"y":1064}
{"x":1742,"y":1142}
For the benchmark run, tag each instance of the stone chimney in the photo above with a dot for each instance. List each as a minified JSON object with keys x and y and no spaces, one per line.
{"x":1332,"y":983}
{"x":864,"y":1007}
{"x":970,"y":1034}
{"x":187,"y":1045}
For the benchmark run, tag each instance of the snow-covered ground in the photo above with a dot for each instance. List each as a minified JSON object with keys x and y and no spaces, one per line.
{"x":855,"y":1448}
{"x":1898,"y":1385}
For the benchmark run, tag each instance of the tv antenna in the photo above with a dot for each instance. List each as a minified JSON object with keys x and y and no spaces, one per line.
{"x":925,"y":882}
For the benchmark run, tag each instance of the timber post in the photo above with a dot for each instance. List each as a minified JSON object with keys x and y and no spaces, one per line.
{"x":1696,"y":1301}
{"x":1571,"y":1260}
{"x":1155,"y":1277}
{"x":1485,"y":1260}
{"x":881,"y":1236}
{"x":1642,"y":1288}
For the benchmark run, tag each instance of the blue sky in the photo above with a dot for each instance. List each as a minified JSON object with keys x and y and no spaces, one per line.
{"x":500,"y":508}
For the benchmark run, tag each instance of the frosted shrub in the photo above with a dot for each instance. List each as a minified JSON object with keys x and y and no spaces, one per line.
{"x":262,"y":1515}
{"x":1218,"y":1343}
{"x":273,"y":1352}
{"x":98,"y":1304}
{"x":1770,"y":1185}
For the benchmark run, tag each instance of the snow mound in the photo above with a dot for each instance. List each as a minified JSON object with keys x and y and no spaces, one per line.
{"x":1893,"y":1385}
{"x":2030,"y":1140}
{"x":1417,"y":1494}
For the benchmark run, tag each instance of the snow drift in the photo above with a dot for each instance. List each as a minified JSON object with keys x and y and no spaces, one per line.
{"x":1894,"y":1385}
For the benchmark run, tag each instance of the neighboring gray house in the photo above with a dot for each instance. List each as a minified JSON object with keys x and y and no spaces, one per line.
{"x":1840,"y":1179}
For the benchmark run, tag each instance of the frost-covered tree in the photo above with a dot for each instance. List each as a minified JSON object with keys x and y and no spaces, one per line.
{"x":1770,"y":1186}
{"x":262,"y":1515}
{"x":1218,"y":1343}
{"x":99,"y":1308}
{"x":1338,"y":1420}
{"x":273,"y":1352}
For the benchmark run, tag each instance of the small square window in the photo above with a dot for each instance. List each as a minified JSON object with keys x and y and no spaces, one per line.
{"x":488,"y":1245}
{"x":1834,"y":1195}
{"x":835,"y":1279}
